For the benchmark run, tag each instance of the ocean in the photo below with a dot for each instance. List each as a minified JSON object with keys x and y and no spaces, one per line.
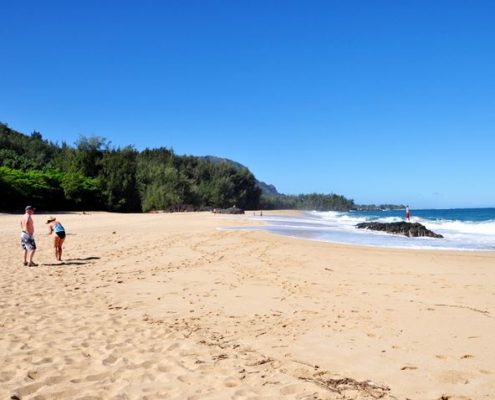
{"x":463,"y":229}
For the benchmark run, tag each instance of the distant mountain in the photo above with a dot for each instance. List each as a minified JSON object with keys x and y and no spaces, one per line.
{"x":266,"y":188}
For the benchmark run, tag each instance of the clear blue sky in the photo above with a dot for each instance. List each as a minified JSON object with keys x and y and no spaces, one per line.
{"x":381,"y":101}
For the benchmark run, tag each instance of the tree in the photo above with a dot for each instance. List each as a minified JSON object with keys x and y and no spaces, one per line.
{"x":81,"y":191}
{"x":154,"y":169}
{"x":117,"y":178}
{"x":87,"y":155}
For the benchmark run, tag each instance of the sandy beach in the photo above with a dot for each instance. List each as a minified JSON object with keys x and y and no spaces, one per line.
{"x":171,"y":306}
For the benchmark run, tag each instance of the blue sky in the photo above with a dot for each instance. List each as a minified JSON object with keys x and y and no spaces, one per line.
{"x":380,"y":101}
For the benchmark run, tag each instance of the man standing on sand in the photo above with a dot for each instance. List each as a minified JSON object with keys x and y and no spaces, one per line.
{"x":27,"y":237}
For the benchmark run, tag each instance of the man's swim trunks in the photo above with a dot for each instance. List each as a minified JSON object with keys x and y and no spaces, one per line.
{"x":27,"y":242}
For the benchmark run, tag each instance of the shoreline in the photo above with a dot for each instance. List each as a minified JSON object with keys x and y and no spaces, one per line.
{"x":309,"y":226}
{"x":167,"y":305}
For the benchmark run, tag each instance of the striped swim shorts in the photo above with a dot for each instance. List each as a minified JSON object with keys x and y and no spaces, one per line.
{"x":27,"y":242}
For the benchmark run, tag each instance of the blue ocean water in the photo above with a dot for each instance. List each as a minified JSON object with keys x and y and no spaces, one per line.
{"x":463,"y":229}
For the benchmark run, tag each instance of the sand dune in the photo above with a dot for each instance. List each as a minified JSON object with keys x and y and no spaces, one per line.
{"x":168,"y":306}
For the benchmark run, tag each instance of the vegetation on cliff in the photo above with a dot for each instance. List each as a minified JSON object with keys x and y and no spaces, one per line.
{"x":92,"y":175}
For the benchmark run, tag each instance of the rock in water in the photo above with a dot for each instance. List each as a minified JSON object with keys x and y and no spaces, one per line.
{"x":400,"y":228}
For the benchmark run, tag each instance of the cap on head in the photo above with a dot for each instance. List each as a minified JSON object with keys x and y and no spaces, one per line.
{"x":51,"y":219}
{"x":29,"y":208}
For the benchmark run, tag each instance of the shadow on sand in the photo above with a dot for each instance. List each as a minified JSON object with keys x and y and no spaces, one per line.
{"x":74,"y":261}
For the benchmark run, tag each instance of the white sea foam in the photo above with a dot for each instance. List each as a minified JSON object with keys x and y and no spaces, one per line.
{"x":340,"y":227}
{"x":483,"y":227}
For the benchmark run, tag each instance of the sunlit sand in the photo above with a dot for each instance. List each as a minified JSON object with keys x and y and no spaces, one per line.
{"x":168,"y":306}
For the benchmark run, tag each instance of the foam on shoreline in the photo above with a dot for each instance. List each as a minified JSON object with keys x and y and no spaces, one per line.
{"x":336,"y":227}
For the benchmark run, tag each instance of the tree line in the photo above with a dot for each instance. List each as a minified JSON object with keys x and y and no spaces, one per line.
{"x":92,"y":175}
{"x":312,"y":201}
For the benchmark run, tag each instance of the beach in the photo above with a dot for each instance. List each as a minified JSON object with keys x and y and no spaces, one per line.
{"x":172,"y":306}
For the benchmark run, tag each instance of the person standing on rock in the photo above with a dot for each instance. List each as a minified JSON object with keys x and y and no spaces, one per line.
{"x":408,"y":214}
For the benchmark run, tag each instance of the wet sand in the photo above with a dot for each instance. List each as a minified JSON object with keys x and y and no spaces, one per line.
{"x":168,"y":306}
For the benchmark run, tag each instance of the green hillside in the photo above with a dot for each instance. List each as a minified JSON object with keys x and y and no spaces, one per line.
{"x":92,"y":175}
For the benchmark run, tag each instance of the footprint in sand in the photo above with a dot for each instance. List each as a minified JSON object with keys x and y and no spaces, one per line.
{"x":232,"y":382}
{"x":54,"y":380}
{"x":27,"y":390}
{"x":111,"y":359}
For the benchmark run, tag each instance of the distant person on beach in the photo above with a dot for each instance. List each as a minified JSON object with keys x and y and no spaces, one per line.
{"x":408,"y":214}
{"x":27,"y":237}
{"x":58,"y":231}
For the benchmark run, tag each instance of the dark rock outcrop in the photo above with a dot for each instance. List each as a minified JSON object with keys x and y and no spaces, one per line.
{"x":400,"y":228}
{"x":231,"y":210}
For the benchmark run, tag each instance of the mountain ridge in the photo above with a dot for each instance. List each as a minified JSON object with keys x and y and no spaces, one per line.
{"x":266,"y":188}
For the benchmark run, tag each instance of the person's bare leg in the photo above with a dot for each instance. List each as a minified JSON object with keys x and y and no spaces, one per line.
{"x":55,"y":245}
{"x":25,"y":257}
{"x":60,"y":249}
{"x":30,"y":258}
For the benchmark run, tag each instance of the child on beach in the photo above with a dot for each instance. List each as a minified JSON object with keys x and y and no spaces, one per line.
{"x":58,"y":237}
